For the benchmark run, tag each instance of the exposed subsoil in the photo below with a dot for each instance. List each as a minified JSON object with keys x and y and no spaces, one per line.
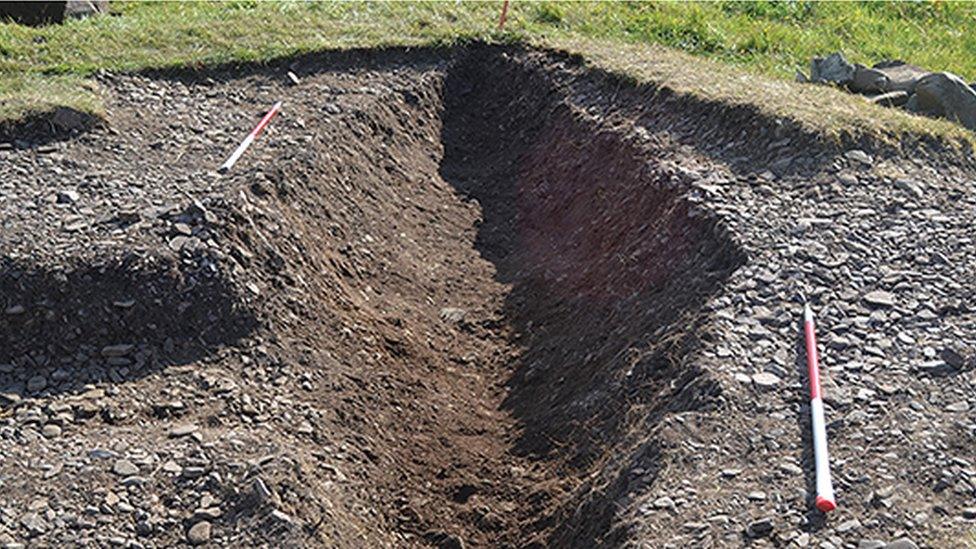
{"x":474,"y":298}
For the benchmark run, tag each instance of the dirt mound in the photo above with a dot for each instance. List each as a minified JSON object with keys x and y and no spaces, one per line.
{"x":451,"y":298}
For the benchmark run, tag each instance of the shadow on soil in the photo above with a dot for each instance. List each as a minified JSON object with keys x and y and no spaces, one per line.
{"x":114,"y":322}
{"x":608,"y":271}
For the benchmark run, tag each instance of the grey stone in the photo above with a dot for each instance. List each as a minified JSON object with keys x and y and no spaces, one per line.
{"x":68,"y":197}
{"x":199,"y":533}
{"x":901,"y":76}
{"x":760,"y":528}
{"x":902,"y":543}
{"x":765,"y":380}
{"x":945,"y":94}
{"x":858,"y":155}
{"x":880,"y":298}
{"x":664,"y":503}
{"x":34,"y":524}
{"x":452,"y":314}
{"x":870,"y":544}
{"x":125,"y":468}
{"x":183,"y":430}
{"x":961,"y":406}
{"x":833,"y":68}
{"x":867,"y":80}
{"x":36,"y":383}
{"x":51,"y":430}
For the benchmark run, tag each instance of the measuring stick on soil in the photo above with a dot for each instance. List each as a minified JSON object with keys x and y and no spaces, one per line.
{"x":825,"y":490}
{"x":249,"y":139}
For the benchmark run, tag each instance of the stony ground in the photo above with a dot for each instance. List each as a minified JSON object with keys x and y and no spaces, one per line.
{"x":427,"y":309}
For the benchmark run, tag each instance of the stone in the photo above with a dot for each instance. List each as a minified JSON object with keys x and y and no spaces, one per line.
{"x":765,"y":380}
{"x":206,"y":513}
{"x":833,"y":68}
{"x":199,"y":533}
{"x":880,"y":298}
{"x":183,"y":430}
{"x":452,"y":314}
{"x":125,"y":468}
{"x":961,"y":406}
{"x":945,"y":94}
{"x":664,"y":503}
{"x":867,"y":80}
{"x":68,"y":197}
{"x":34,"y":524}
{"x":969,"y":513}
{"x":51,"y":430}
{"x":281,"y":517}
{"x":759,"y":528}
{"x":870,"y":544}
{"x":952,"y":358}
{"x":293,"y":78}
{"x":891,"y":99}
{"x":902,"y":543}
{"x":36,"y":383}
{"x":901,"y":76}
{"x":261,"y":493}
{"x":860,"y":156}
{"x":119,"y":350}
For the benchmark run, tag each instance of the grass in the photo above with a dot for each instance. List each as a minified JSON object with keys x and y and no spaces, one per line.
{"x":49,"y":66}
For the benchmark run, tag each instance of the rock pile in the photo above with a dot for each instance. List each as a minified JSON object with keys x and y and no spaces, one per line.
{"x":899,"y":84}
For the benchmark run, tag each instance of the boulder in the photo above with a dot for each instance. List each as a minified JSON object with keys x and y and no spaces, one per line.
{"x":42,"y":13}
{"x":945,"y":94}
{"x":868,"y":80}
{"x":901,"y":76}
{"x":833,"y":68}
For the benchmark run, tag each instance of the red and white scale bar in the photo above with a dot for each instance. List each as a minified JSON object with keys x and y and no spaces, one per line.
{"x":825,"y":489}
{"x":236,"y":155}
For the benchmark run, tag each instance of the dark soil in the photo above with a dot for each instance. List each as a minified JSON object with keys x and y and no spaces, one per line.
{"x":450,"y":298}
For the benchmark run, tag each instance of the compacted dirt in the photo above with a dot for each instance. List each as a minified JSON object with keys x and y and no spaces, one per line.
{"x":474,"y":298}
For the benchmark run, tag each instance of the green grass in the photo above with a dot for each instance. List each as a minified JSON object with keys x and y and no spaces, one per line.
{"x":43,"y":67}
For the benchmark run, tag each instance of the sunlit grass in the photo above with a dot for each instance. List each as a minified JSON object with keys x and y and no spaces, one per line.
{"x":47,"y":66}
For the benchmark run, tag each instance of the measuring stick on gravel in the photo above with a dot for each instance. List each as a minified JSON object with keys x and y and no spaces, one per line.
{"x":249,"y":139}
{"x":825,"y":490}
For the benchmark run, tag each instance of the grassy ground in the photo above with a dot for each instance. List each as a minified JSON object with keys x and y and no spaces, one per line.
{"x":43,"y":67}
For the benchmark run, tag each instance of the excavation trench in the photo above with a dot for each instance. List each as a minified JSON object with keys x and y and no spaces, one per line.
{"x":500,"y":291}
{"x":534,"y":282}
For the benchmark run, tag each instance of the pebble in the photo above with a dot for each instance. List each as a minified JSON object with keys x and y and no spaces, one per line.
{"x":961,"y":406}
{"x":36,"y":383}
{"x":51,"y":430}
{"x":199,"y":533}
{"x":664,"y":503}
{"x":880,"y":298}
{"x":902,"y":543}
{"x":858,"y":155}
{"x":759,"y":528}
{"x":765,"y":380}
{"x":125,"y":468}
{"x":183,"y":430}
